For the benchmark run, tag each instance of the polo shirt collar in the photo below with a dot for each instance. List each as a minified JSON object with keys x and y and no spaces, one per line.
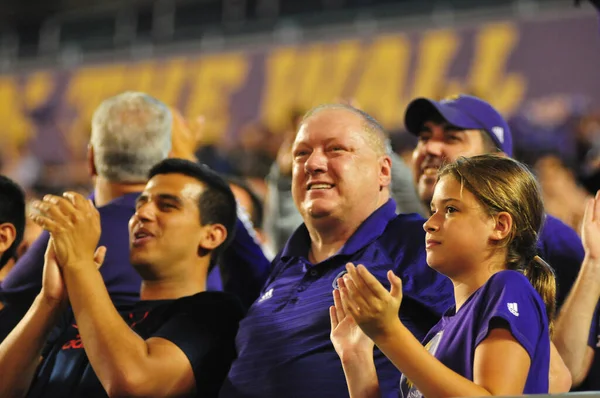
{"x":371,"y":229}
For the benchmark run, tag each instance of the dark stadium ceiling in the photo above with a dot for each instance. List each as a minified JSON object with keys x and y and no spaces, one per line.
{"x":34,"y":10}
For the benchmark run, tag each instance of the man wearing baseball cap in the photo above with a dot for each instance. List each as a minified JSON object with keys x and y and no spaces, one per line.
{"x":464,"y":125}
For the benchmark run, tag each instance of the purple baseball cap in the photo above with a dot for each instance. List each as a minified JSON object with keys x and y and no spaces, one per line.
{"x":462,"y":111}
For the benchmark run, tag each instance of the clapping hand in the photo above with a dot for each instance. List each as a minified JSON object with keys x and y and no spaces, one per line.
{"x":363,"y":297}
{"x":74,"y":225}
{"x":590,"y":229}
{"x":347,"y":338}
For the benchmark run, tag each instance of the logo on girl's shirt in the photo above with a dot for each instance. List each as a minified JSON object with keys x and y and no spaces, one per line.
{"x":412,"y":391}
{"x":513,"y":308}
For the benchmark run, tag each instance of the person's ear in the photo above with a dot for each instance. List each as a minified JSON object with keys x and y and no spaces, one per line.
{"x":90,"y":161}
{"x":385,"y":171}
{"x":502,"y":226}
{"x":8,"y":235}
{"x":212,"y":236}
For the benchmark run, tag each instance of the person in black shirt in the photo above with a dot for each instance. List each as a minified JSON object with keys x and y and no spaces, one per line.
{"x":177,"y":341}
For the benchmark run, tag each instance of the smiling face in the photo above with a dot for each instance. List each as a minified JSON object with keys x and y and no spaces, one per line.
{"x":166,"y":211}
{"x":438,"y":143}
{"x":459,"y":233}
{"x":337,"y":174}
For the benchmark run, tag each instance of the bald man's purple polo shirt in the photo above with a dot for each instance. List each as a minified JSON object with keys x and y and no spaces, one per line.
{"x":283,"y":344}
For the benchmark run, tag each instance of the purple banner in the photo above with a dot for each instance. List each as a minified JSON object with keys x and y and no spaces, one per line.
{"x":504,"y":62}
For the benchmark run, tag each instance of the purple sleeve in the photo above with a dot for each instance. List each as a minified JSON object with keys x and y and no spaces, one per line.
{"x":561,"y":247}
{"x":22,"y":285}
{"x":24,"y":281}
{"x":510,"y":297}
{"x":244,"y":267}
{"x":595,"y":328}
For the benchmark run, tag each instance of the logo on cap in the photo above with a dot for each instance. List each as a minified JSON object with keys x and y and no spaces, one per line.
{"x":498,"y":132}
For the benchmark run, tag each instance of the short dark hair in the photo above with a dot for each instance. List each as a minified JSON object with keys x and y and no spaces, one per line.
{"x":257,"y":213}
{"x":216,"y":205}
{"x":12,"y":211}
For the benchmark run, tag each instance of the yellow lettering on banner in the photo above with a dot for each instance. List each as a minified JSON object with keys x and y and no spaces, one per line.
{"x":494,"y":46}
{"x":89,"y":86}
{"x":300,"y":78}
{"x":308,"y":71}
{"x":16,"y":101}
{"x":340,"y":65}
{"x":385,"y":72}
{"x":168,"y":80}
{"x":140,"y":77}
{"x":281,"y":83}
{"x":217,"y":77}
{"x":453,"y":87}
{"x":436,"y":53}
{"x":38,"y":88}
{"x":15,"y":126}
{"x":323,"y":70}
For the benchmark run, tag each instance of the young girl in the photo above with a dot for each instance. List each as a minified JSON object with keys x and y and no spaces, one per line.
{"x":486,"y":214}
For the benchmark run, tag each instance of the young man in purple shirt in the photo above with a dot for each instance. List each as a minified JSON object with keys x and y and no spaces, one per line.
{"x":340,"y":183}
{"x":177,"y":341}
{"x":467,"y":126}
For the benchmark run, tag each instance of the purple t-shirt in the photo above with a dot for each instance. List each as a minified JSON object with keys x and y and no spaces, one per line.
{"x":506,"y":300}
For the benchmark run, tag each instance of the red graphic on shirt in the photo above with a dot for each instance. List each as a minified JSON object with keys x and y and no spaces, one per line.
{"x":136,"y":322}
{"x":76,"y":343}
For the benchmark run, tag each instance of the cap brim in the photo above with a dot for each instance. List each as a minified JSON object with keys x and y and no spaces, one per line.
{"x":417,"y":113}
{"x":420,"y":110}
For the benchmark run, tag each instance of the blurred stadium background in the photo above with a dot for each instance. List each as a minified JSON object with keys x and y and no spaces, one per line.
{"x":250,"y":67}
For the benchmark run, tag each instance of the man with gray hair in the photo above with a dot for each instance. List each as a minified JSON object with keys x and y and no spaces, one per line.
{"x":131,"y":132}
